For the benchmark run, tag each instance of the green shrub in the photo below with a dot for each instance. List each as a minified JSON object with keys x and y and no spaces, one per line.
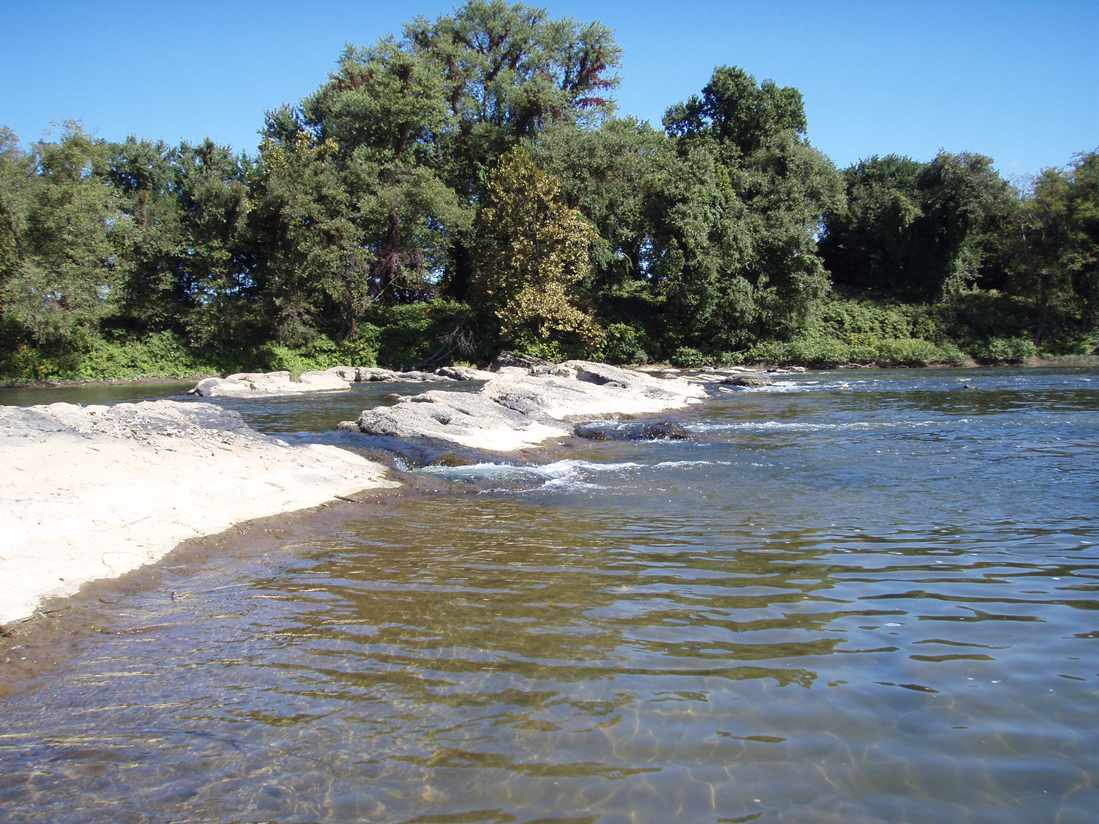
{"x":1004,"y":350}
{"x":687,"y":358}
{"x":416,"y":335}
{"x":361,"y":350}
{"x":625,"y":345}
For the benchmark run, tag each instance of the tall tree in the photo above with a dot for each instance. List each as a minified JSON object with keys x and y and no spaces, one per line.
{"x":383,"y":110}
{"x":68,"y":238}
{"x":509,"y":71}
{"x":533,"y":254}
{"x":738,"y":253}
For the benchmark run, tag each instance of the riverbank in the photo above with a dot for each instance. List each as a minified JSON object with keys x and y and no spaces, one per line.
{"x":1047,"y":362}
{"x":93,"y":492}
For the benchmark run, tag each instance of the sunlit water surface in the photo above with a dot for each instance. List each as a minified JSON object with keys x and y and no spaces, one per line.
{"x":866,"y":596}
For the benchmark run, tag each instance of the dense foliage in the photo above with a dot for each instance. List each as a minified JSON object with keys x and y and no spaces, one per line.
{"x":466,"y":186}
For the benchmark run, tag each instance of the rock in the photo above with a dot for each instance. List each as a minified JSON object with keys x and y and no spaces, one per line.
{"x":631,"y":431}
{"x":517,"y":408}
{"x":322,"y":381}
{"x":602,"y":375}
{"x":515,"y":359}
{"x":368,"y":374}
{"x":348,"y":373}
{"x":746,"y":381}
{"x":463,"y":373}
{"x":347,"y":426}
{"x":414,"y":375}
{"x":393,"y":397}
{"x":523,"y":403}
{"x":258,"y":384}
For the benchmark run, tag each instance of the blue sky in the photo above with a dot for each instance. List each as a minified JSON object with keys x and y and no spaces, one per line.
{"x":1014,"y":80}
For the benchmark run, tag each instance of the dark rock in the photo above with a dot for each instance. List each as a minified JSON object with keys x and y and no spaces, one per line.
{"x":600,"y":375}
{"x":524,"y":404}
{"x":515,"y":359}
{"x":746,"y":381}
{"x":631,"y":431}
{"x":451,"y":459}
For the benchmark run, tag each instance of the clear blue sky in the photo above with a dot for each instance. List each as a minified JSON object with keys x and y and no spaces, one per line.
{"x":1014,"y":80}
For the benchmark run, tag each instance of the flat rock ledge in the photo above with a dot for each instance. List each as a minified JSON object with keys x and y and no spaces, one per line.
{"x":92,"y":492}
{"x":261,"y":384}
{"x":520,"y":406}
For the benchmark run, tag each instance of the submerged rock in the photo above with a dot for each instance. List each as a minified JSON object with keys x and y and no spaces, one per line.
{"x":746,"y":381}
{"x":631,"y":431}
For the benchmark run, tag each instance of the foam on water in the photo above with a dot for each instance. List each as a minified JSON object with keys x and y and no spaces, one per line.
{"x":802,"y":426}
{"x":567,"y":474}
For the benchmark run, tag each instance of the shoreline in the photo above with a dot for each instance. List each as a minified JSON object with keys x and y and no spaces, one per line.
{"x":94,"y":492}
{"x":1056,"y":362}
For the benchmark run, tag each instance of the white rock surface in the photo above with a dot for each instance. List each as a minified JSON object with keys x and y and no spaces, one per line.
{"x":523,"y":406}
{"x":91,"y":492}
{"x":258,"y":384}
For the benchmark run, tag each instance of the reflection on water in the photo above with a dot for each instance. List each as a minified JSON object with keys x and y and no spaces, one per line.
{"x":834,"y":605}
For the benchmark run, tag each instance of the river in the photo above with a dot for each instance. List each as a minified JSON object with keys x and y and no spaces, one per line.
{"x":852,"y":596}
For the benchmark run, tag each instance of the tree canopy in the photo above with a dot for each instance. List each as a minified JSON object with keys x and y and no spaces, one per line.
{"x":477,"y":157}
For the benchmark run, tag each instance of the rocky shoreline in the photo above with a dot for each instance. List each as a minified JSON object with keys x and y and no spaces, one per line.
{"x":92,"y":492}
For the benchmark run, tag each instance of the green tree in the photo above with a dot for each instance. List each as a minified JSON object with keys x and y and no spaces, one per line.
{"x":533,"y":255}
{"x":610,"y":175}
{"x":68,"y":234}
{"x":509,"y":71}
{"x":142,"y":174}
{"x":382,"y":110}
{"x":736,"y":250}
{"x":867,"y":244}
{"x":1082,"y":252}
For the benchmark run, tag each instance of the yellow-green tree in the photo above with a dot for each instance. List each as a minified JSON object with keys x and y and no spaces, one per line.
{"x":533,"y":256}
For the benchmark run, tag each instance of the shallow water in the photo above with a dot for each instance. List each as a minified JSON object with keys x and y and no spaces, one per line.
{"x":865,"y":596}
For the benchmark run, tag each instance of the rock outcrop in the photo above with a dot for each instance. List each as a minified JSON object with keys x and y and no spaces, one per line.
{"x":523,"y":406}
{"x":94,"y":491}
{"x":260,"y":384}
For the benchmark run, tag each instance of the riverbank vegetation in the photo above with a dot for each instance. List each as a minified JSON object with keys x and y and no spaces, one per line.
{"x":466,"y":187}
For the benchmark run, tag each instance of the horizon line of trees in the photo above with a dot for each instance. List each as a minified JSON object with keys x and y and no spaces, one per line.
{"x":477,"y":159}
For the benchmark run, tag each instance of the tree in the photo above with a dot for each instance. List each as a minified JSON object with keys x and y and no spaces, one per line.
{"x":867,"y":244}
{"x":67,"y":234}
{"x":919,"y":231}
{"x":142,"y":173}
{"x":1082,"y":258}
{"x":609,"y":174}
{"x":214,"y":270}
{"x":533,"y":255}
{"x":736,"y":250}
{"x":382,"y":111}
{"x":964,"y":201}
{"x":509,"y":72}
{"x":309,"y":251}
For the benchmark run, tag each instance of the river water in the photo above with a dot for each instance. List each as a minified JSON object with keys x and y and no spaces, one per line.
{"x":853,"y":596}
